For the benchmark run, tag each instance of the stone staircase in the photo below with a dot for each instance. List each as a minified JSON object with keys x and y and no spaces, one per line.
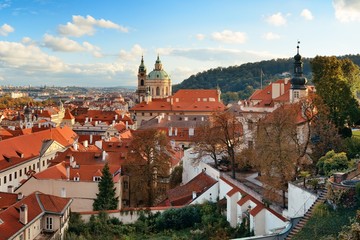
{"x":306,"y":217}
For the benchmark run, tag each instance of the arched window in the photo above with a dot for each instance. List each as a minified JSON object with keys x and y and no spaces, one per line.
{"x":157,"y":91}
{"x":142,"y":82}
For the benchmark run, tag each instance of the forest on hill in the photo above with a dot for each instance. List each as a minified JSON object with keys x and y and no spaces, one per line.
{"x":239,"y":82}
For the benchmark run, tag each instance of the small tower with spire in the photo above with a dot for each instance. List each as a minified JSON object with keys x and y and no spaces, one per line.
{"x":141,"y":89}
{"x":298,"y":81}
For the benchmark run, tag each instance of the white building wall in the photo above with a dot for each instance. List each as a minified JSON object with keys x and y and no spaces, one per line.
{"x":259,"y":223}
{"x":210,"y":195}
{"x":299,"y":201}
{"x":231,"y":209}
{"x":192,"y":167}
{"x":272,"y":222}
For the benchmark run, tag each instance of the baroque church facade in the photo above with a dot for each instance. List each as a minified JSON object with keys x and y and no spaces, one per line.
{"x":156,"y":84}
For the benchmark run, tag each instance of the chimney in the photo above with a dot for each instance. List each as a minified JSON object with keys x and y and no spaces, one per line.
{"x":23,"y":214}
{"x":91,"y":139}
{"x":10,"y":189}
{"x":202,"y":119}
{"x":76,"y":146}
{"x":67,"y":172}
{"x":19,"y":196}
{"x":90,"y":119}
{"x":86,"y":119}
{"x":127,"y":125}
{"x":116,"y":117}
{"x":103,"y":155}
{"x":86,"y":143}
{"x":176,"y":131}
{"x":194,"y":195}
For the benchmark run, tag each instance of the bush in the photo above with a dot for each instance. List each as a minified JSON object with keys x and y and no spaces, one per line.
{"x":333,"y":162}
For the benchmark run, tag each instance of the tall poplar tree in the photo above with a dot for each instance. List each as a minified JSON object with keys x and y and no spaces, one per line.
{"x":105,"y":199}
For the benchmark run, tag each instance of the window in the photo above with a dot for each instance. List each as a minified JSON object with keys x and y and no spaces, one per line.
{"x":15,"y":175}
{"x":4,"y":179}
{"x":250,"y":125}
{"x":37,"y":165}
{"x":96,"y":179}
{"x":0,"y":181}
{"x":25,"y":170}
{"x":142,"y":114}
{"x":142,"y":82}
{"x":10,"y":177}
{"x":49,"y":223}
{"x":126,"y":185}
{"x":20,"y":172}
{"x":157,"y":91}
{"x":28,"y":233}
{"x":296,"y":94}
{"x":150,"y":114}
{"x":21,"y":237}
{"x":33,"y":167}
{"x":43,"y":163}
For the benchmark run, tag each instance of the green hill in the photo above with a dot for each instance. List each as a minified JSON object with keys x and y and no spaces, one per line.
{"x":239,"y":82}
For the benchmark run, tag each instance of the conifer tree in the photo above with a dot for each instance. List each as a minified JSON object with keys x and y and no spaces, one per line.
{"x":105,"y":198}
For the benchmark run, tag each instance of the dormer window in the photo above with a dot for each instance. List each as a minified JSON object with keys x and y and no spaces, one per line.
{"x":76,"y":179}
{"x":96,"y":178}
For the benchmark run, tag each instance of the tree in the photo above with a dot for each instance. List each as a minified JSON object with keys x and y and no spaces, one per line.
{"x":336,"y":82}
{"x":230,"y":135}
{"x":105,"y":199}
{"x":333,"y":161}
{"x":279,"y":148}
{"x":207,"y":142}
{"x":324,"y":134}
{"x":149,"y":158}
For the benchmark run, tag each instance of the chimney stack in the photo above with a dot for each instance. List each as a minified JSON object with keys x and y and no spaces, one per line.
{"x":19,"y":196}
{"x":24,"y":214}
{"x":86,"y":143}
{"x":67,"y":172}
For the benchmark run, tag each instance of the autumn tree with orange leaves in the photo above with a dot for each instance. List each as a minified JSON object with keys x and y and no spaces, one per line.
{"x":149,"y":159}
{"x":281,"y":143}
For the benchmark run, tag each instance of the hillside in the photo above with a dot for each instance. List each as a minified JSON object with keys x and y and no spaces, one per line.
{"x":239,"y":82}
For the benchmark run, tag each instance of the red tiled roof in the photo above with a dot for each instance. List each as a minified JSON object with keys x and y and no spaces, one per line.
{"x":68,"y":115}
{"x":182,"y":195}
{"x":85,"y":172}
{"x":7,"y":199}
{"x":188,"y":100}
{"x":17,"y":149}
{"x":10,"y":217}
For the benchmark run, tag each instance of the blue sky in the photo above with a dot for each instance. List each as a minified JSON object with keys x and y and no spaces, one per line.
{"x":100,"y":43}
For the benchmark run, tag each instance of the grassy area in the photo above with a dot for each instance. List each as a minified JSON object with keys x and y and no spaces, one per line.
{"x":356,"y":134}
{"x":330,"y":223}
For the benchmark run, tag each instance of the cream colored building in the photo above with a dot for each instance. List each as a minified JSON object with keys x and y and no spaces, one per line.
{"x":156,"y":84}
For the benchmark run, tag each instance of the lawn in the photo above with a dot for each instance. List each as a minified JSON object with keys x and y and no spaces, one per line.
{"x":356,"y":134}
{"x":328,"y":224}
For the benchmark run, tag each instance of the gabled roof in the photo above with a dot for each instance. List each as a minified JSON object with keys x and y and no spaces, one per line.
{"x":84,"y":172}
{"x":68,"y":115}
{"x":7,"y":199}
{"x":17,"y":149}
{"x":37,"y":204}
{"x":183,"y":195}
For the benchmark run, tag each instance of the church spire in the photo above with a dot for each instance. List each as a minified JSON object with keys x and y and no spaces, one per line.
{"x":158,"y":64}
{"x":298,"y":80}
{"x":142,"y":67}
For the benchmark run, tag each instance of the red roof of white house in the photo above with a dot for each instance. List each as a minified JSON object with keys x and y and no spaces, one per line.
{"x":37,"y":204}
{"x":183,"y":195}
{"x":18,"y":149}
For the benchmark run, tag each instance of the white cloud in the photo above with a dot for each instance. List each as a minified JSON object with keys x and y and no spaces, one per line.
{"x":5,"y":29}
{"x":26,"y":40}
{"x":306,"y":14}
{"x":28,"y":58}
{"x":276,"y":19}
{"x":228,"y":36}
{"x":86,"y":26}
{"x":271,"y":36}
{"x":134,"y":54}
{"x":62,"y":44}
{"x":200,"y":37}
{"x":96,"y":52}
{"x":347,"y":10}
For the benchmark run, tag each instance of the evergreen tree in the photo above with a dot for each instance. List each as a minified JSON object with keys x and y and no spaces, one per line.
{"x":105,"y":199}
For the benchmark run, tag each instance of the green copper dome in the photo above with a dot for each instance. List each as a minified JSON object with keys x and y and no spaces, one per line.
{"x":158,"y":74}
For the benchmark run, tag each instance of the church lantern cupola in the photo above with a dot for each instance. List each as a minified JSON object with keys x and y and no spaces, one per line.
{"x":298,"y":81}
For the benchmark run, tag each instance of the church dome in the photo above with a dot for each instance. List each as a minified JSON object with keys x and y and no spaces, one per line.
{"x":158,"y":75}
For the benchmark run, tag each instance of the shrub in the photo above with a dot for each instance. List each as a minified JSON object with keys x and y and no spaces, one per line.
{"x":333,"y":161}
